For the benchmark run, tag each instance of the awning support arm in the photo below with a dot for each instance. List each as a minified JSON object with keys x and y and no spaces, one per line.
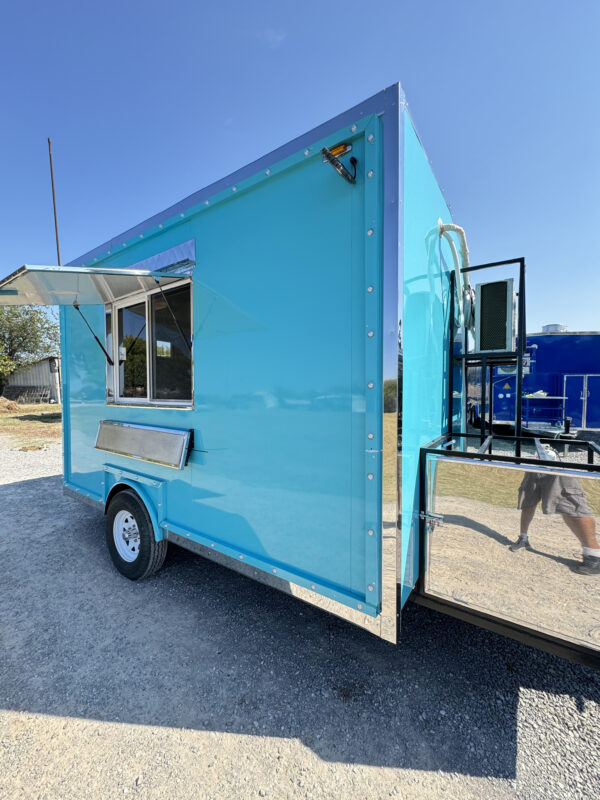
{"x":175,"y":320}
{"x":100,"y":345}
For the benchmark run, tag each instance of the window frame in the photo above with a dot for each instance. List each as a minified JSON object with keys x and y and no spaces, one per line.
{"x":132,"y":300}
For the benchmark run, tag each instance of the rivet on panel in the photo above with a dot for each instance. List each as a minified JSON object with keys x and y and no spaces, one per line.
{"x":370,"y":334}
{"x":370,"y":173}
{"x":274,"y":571}
{"x":313,"y":587}
{"x":307,"y":152}
{"x":241,"y":556}
{"x":370,"y":232}
{"x":124,"y":244}
{"x":142,"y":235}
{"x":371,"y":532}
{"x":370,"y":587}
{"x":359,"y":606}
{"x":370,"y":138}
{"x":370,"y":476}
{"x":353,"y":129}
{"x":181,"y":215}
{"x":370,"y":435}
{"x":267,"y":172}
{"x":370,"y":384}
{"x":212,"y":544}
{"x":234,"y":188}
{"x":207,"y":202}
{"x":160,"y":225}
{"x":370,"y":289}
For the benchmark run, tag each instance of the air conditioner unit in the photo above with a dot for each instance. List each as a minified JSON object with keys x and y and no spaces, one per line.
{"x":495,"y":316}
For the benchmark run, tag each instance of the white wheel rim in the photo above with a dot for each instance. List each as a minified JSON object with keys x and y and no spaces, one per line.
{"x":126,"y":536}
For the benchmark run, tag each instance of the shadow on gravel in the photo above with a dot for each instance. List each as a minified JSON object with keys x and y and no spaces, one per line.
{"x":201,"y":647}
{"x":46,"y":416}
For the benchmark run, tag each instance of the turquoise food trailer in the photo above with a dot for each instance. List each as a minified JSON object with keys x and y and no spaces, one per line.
{"x":262,"y":374}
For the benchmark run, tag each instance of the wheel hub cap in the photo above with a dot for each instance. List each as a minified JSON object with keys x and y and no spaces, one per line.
{"x":126,"y":535}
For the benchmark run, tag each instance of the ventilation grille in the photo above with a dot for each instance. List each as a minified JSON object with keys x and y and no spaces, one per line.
{"x":495,"y":319}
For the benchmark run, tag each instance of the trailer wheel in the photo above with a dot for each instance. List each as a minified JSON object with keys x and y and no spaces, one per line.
{"x":130,"y":537}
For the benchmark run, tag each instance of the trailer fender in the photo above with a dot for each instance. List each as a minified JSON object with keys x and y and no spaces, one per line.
{"x":144,"y":495}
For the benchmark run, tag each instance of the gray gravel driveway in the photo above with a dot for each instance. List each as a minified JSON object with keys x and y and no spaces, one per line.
{"x":199,"y":683}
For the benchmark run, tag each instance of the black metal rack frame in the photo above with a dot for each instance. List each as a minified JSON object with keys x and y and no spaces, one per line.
{"x":445,"y":445}
{"x":453,"y":444}
{"x":489,"y":360}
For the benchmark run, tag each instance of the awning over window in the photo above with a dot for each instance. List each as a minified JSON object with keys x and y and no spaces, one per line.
{"x":60,"y":286}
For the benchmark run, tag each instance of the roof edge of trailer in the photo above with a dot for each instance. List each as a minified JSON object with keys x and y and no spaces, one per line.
{"x":378,"y":103}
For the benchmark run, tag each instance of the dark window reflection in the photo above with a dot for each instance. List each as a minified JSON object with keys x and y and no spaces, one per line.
{"x":110,"y":389}
{"x":132,"y":351}
{"x":171,"y":356}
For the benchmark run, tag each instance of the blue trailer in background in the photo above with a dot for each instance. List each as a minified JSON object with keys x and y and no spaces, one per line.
{"x":262,"y":373}
{"x":561,"y":384}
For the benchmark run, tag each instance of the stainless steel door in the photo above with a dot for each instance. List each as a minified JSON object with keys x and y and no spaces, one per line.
{"x":468,"y":562}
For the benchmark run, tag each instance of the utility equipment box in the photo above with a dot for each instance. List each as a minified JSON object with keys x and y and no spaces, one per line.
{"x":494,"y":316}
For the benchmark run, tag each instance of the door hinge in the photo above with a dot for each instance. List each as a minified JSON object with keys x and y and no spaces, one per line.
{"x":431,"y":518}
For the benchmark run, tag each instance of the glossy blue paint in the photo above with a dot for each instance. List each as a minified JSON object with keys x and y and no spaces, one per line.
{"x":295,"y":268}
{"x":279,"y":471}
{"x":565,"y":352}
{"x":425,"y":331}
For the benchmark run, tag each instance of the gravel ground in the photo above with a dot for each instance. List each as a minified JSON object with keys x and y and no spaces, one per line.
{"x":199,"y":683}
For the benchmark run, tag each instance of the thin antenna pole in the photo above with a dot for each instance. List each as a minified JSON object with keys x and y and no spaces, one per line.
{"x":54,"y":200}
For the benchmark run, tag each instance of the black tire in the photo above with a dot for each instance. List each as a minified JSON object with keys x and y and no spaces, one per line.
{"x":150,"y":553}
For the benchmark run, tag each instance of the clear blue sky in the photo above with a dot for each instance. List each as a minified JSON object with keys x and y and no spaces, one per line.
{"x":147,"y":102}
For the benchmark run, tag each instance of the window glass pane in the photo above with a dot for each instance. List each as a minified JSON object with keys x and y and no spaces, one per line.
{"x":171,"y":357}
{"x":132,"y":351}
{"x":110,"y":373}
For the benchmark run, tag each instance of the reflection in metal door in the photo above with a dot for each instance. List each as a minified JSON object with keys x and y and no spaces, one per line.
{"x":592,"y":416}
{"x":575,"y":399}
{"x":467,"y":562}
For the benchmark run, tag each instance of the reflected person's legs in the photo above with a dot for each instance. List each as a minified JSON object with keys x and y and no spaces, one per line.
{"x":530,"y":494}
{"x":584,"y":529}
{"x":527,"y":515}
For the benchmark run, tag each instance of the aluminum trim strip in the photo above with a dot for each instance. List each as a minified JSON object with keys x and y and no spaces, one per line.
{"x":368,"y":623}
{"x":79,"y":494}
{"x":380,"y":103}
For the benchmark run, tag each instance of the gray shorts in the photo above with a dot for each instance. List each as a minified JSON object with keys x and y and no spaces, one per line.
{"x":558,"y":494}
